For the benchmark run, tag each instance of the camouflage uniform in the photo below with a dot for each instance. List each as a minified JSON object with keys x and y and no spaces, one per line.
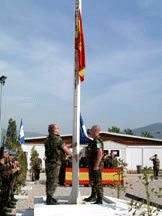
{"x":156,"y":166}
{"x":62,"y":169}
{"x":95,"y":176}
{"x":53,"y":148}
{"x":112,"y":162}
{"x":5,"y":184}
{"x":37,"y":168}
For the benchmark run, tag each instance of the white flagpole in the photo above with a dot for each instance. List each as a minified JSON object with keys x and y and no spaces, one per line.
{"x":75,"y":194}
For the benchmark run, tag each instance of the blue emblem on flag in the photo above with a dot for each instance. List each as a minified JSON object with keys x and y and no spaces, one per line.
{"x":83,"y":133}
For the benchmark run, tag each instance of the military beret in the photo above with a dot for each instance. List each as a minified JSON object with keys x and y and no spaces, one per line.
{"x":6,"y":149}
{"x":11,"y":153}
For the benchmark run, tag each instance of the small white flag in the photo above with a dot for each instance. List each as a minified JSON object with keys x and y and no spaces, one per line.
{"x":21,"y":135}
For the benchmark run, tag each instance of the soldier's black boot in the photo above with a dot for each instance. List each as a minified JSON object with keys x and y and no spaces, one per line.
{"x":50,"y":200}
{"x":13,"y":199}
{"x":11,"y":205}
{"x":98,"y":201}
{"x":90,"y":198}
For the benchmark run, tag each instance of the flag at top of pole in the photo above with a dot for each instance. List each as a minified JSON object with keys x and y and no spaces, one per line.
{"x":79,"y":46}
{"x":21,"y":134}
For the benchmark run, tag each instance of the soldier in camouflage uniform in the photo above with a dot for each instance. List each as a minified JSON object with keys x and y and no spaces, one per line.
{"x":156,"y":165}
{"x":111,"y":160}
{"x":95,"y":155}
{"x":54,"y":147}
{"x":7,"y":170}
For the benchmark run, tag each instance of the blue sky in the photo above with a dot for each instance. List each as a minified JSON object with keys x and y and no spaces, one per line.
{"x":122,"y":86}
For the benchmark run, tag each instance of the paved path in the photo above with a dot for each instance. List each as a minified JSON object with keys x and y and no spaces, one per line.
{"x":134,"y":186}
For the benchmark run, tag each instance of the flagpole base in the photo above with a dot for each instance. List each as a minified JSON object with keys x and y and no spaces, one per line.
{"x":75,"y":198}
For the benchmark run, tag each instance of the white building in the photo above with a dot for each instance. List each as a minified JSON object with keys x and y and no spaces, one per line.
{"x":132,"y":149}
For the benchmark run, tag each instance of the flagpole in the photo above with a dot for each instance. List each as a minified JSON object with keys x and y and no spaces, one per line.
{"x":75,"y":197}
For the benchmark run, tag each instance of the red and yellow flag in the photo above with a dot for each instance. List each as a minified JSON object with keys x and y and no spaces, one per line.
{"x":80,"y":48}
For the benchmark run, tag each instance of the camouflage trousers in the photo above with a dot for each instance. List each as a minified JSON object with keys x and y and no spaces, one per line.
{"x":52,"y":176}
{"x":95,"y":178}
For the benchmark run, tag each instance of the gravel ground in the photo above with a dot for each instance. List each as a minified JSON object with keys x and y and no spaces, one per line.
{"x":133,"y":185}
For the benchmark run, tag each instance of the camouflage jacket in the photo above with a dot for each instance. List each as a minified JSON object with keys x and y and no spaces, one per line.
{"x":54,"y":148}
{"x":111,"y":162}
{"x":156,"y":163}
{"x":92,"y":150}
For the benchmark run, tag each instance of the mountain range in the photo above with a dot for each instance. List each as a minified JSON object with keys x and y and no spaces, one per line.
{"x":26,"y":134}
{"x":155,"y":129}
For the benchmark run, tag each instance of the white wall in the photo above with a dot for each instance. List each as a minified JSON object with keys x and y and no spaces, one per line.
{"x":40,"y":149}
{"x":110,"y":145}
{"x":139,"y":155}
{"x":149,"y":151}
{"x":133,"y":155}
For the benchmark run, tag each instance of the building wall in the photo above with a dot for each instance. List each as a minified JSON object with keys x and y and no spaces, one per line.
{"x":113,"y":146}
{"x":40,"y":149}
{"x":139,"y":155}
{"x":133,"y":155}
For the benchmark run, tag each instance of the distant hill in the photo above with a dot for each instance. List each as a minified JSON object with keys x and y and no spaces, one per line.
{"x":33,"y":134}
{"x":155,"y":129}
{"x":26,"y":134}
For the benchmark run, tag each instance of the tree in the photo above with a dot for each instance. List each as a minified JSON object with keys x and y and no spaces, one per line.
{"x":23,"y":168}
{"x":146,"y":134}
{"x":13,"y":144}
{"x":11,"y":135}
{"x":128,"y":131}
{"x":114,"y":129}
{"x":33,"y":159}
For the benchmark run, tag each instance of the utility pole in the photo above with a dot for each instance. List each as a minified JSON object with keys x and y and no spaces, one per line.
{"x":2,"y":82}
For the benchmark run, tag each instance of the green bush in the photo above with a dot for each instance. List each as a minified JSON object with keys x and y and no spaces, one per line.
{"x":33,"y":161}
{"x":23,"y":168}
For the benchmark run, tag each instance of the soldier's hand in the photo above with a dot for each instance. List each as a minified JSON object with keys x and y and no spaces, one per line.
{"x":2,"y":161}
{"x":96,"y":167}
{"x":7,"y":173}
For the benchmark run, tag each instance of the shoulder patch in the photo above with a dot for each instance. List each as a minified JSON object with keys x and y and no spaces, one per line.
{"x":99,"y":145}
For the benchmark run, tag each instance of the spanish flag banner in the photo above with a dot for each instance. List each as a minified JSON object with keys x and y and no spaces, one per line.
{"x":79,"y":46}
